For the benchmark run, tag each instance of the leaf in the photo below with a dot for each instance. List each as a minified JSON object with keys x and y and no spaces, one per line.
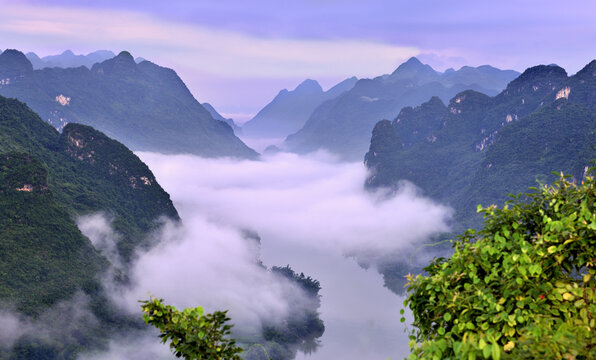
{"x":486,"y":352}
{"x":552,"y":249}
{"x":509,"y":346}
{"x":447,"y":317}
{"x":568,"y":296}
{"x":495,"y":351}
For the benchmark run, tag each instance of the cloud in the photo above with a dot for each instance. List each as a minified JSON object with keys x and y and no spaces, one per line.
{"x":309,"y":212}
{"x":60,"y":324}
{"x":97,"y":227}
{"x":206,"y":49}
{"x":136,"y":346}
{"x":315,"y":201}
{"x":203,"y":263}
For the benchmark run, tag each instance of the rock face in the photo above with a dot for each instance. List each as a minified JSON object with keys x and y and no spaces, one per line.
{"x":342,"y":125}
{"x":144,"y":106}
{"x":289,"y":110}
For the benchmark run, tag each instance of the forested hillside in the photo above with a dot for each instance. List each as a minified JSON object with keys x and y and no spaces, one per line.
{"x":477,"y":149}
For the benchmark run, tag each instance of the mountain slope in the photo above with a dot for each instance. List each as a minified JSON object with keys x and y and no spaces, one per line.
{"x":144,"y":106}
{"x":218,"y":116}
{"x":289,"y":110}
{"x":342,"y":125}
{"x":88,"y":172}
{"x":44,"y":257}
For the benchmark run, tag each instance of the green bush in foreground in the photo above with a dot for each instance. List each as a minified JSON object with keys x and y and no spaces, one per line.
{"x":192,"y":334}
{"x":521,"y":288}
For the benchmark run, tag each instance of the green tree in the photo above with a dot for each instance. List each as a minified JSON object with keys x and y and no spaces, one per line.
{"x":523,"y":287}
{"x":192,"y":334}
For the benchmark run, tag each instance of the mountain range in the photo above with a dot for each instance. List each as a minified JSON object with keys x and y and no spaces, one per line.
{"x":144,"y":106}
{"x":342,"y":125}
{"x":477,"y":148}
{"x":68,"y":59}
{"x":289,"y":110}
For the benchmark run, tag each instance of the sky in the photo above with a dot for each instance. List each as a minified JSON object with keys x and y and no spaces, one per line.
{"x":238,"y":54}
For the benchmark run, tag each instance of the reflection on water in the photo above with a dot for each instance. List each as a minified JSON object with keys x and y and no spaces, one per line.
{"x":361,"y":316}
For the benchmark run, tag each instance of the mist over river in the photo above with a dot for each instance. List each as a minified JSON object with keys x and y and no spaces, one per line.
{"x":309,"y":212}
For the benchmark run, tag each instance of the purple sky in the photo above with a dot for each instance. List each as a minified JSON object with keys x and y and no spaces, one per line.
{"x":238,"y":54}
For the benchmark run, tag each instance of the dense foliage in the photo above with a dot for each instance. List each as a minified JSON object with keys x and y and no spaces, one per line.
{"x":523,"y":287}
{"x":192,"y":333}
{"x":43,"y":255}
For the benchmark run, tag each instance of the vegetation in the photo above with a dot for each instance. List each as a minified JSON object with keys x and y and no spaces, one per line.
{"x":191,"y":333}
{"x":523,"y":287}
{"x":88,"y":172}
{"x":43,"y":255}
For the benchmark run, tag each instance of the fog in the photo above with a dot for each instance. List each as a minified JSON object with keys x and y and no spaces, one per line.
{"x":313,"y":201}
{"x":311,"y":213}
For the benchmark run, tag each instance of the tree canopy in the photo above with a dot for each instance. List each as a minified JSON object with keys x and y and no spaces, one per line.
{"x":523,"y":287}
{"x":193,"y":335}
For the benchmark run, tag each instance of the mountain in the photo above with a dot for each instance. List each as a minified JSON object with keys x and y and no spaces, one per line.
{"x":88,"y":172}
{"x":144,"y":106}
{"x":343,"y":125}
{"x":218,"y":116}
{"x":477,"y":148}
{"x":69,"y":60}
{"x":440,"y":147}
{"x":47,"y":180}
{"x":289,"y":110}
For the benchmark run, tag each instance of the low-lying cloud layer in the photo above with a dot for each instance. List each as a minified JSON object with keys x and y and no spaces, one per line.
{"x":299,"y":205}
{"x":315,"y":201}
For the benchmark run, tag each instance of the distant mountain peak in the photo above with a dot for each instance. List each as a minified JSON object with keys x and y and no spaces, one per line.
{"x":123,"y":62}
{"x":414,"y":61}
{"x":588,"y":70}
{"x":309,"y":85}
{"x":536,"y":77}
{"x":413,"y":68}
{"x":125,"y":55}
{"x":14,"y":63}
{"x":68,"y":52}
